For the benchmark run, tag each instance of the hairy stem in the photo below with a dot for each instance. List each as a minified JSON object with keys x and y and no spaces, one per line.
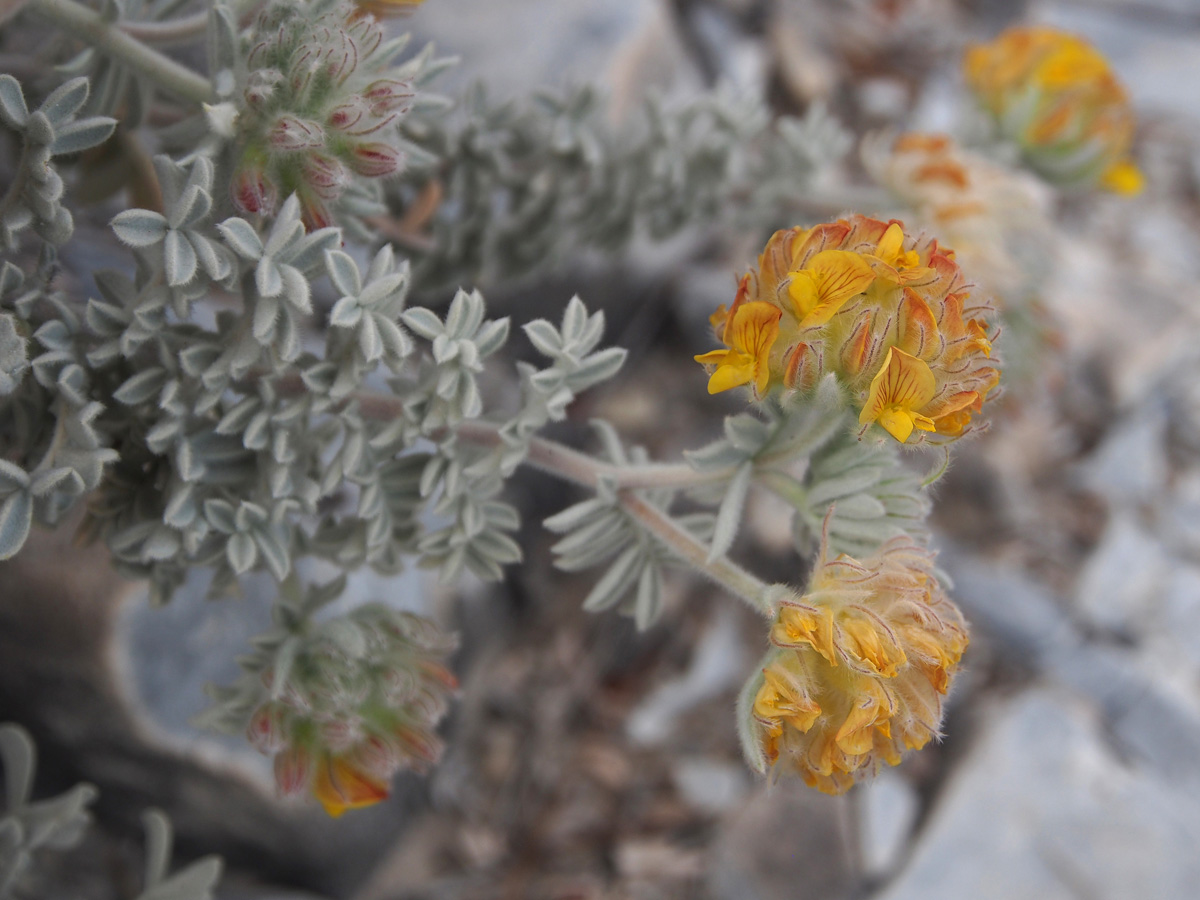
{"x":108,"y":38}
{"x":723,"y":571}
{"x":585,"y":470}
{"x":187,"y":28}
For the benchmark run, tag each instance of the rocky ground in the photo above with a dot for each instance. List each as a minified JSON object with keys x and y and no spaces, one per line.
{"x":586,"y":760}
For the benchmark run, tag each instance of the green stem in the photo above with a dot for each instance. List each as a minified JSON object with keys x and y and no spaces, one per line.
{"x":108,"y":38}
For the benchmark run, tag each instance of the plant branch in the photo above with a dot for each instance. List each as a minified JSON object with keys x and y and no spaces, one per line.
{"x":187,"y":28}
{"x":723,"y":571}
{"x":108,"y":38}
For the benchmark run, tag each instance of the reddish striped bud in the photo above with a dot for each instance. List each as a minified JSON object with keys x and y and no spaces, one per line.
{"x":290,"y":134}
{"x":388,"y":95}
{"x":253,"y":193}
{"x":265,"y":731}
{"x":375,"y":160}
{"x":326,"y":175}
{"x":293,"y":770}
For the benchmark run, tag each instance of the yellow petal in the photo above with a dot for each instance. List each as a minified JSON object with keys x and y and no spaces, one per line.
{"x":804,"y":293}
{"x":903,"y":385}
{"x":780,"y":698}
{"x":730,"y":376}
{"x":889,"y":245}
{"x":340,"y":786}
{"x":837,"y":276}
{"x":867,"y":641}
{"x":1123,"y":178}
{"x":801,"y":625}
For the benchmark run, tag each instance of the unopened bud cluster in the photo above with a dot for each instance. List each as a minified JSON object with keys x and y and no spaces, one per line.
{"x":859,"y":667}
{"x":319,"y":109}
{"x":359,"y":703}
{"x":892,"y":316}
{"x":1056,"y":97}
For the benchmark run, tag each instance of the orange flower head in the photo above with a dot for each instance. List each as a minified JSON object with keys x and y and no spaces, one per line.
{"x":1056,"y":97}
{"x":889,"y":315}
{"x":859,"y":667}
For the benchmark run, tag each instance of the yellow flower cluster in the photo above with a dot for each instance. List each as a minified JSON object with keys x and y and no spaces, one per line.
{"x":859,"y":667}
{"x":891,"y":316}
{"x":1056,"y":97}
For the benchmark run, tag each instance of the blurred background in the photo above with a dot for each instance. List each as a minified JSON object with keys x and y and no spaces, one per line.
{"x":587,"y":760}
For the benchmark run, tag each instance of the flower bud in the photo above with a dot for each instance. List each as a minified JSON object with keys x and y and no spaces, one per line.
{"x":325,"y":175}
{"x":375,"y":160}
{"x":293,"y":770}
{"x":253,"y":192}
{"x":291,"y":134}
{"x":388,"y":95}
{"x":265,"y":731}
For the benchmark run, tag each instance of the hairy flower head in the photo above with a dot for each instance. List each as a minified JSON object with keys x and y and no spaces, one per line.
{"x":319,"y":103}
{"x":1055,"y":96}
{"x":359,"y":703}
{"x":995,"y":217}
{"x":889,"y":315}
{"x":858,"y":670}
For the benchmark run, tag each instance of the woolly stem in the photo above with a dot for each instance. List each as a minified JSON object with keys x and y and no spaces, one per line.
{"x":108,"y":38}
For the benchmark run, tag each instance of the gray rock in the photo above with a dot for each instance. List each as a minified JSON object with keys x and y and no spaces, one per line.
{"x":1043,"y":809}
{"x":1123,"y":580}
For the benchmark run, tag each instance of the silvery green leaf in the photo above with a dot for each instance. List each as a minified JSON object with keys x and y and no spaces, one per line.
{"x":498,"y":547}
{"x":423,"y":322}
{"x":860,"y":506}
{"x":16,"y":750}
{"x":142,"y":387}
{"x":213,"y":258}
{"x":274,"y":552}
{"x":346,"y":313}
{"x":241,"y":237}
{"x":220,"y":514}
{"x":617,"y":581}
{"x":296,"y":290}
{"x":158,"y":846}
{"x":719,"y":454}
{"x":268,"y":280}
{"x":62,"y":478}
{"x":544,"y":337}
{"x":370,"y":344}
{"x":859,"y":479}
{"x":729,"y":516}
{"x":13,"y":111}
{"x":241,"y":552}
{"x":179,"y":258}
{"x":574,"y":516}
{"x":266,"y":312}
{"x":574,"y":320}
{"x":747,"y":725}
{"x":598,"y":367}
{"x":343,"y":272}
{"x":139,"y":227}
{"x":16,"y":516}
{"x":222,"y":38}
{"x":648,"y":602}
{"x":81,"y":135}
{"x":491,"y":336}
{"x":746,"y":432}
{"x":66,"y":100}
